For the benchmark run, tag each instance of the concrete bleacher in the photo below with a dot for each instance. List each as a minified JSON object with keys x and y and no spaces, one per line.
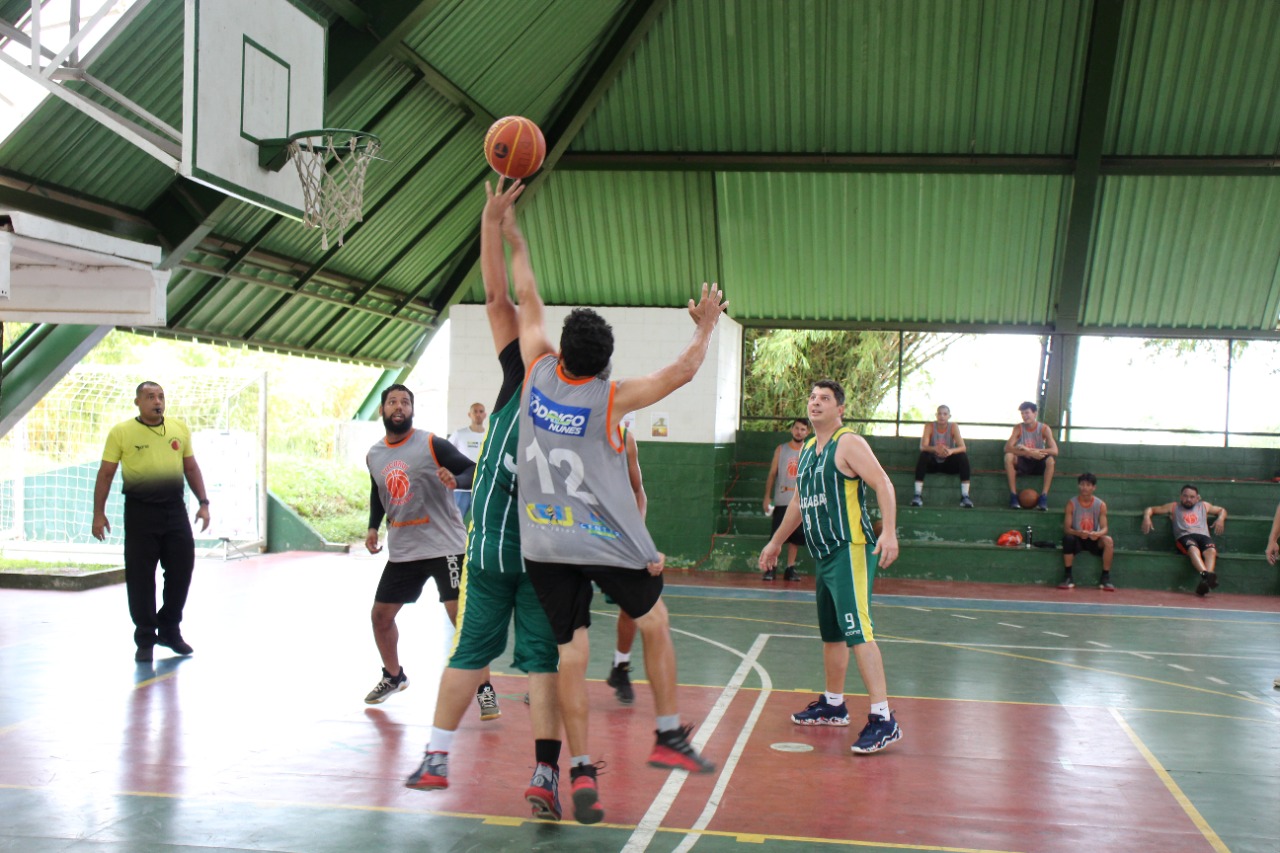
{"x":941,"y":541}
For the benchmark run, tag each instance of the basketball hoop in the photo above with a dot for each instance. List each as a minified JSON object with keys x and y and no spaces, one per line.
{"x":331,"y":164}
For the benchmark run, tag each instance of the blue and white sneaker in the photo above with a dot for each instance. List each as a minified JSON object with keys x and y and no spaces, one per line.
{"x":878,"y":734}
{"x":543,"y":793}
{"x":822,"y":713}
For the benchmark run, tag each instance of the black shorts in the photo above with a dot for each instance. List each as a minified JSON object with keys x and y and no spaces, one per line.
{"x":797,"y":535}
{"x":1204,"y":543}
{"x":1074,"y":545}
{"x":564,"y":590}
{"x":402,"y":583}
{"x":1027,"y":465}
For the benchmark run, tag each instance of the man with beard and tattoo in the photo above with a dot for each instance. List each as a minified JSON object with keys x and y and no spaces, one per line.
{"x":412,"y":475}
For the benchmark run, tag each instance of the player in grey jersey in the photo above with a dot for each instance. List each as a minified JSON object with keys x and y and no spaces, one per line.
{"x":581,"y":523}
{"x":1189,"y":517}
{"x":411,"y":473}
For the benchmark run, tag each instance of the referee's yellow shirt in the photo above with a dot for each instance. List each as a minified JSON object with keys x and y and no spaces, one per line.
{"x":150,"y":458}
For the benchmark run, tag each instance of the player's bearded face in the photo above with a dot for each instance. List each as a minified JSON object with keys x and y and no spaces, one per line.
{"x":398,"y":422}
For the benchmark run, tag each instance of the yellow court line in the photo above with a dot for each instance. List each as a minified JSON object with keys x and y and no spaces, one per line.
{"x":1172,"y":786}
{"x":158,"y":678}
{"x":12,"y":727}
{"x":507,"y":820}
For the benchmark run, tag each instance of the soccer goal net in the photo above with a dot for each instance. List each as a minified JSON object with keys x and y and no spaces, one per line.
{"x":49,"y":460}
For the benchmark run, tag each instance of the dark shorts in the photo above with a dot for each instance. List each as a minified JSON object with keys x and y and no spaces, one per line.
{"x":1027,"y":465}
{"x":402,"y":583}
{"x":1074,"y":545}
{"x":564,"y":590}
{"x":1204,"y":543}
{"x":797,"y":535}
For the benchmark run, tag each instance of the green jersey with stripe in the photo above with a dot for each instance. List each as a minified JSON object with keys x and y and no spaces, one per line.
{"x":494,"y":543}
{"x":832,"y":504}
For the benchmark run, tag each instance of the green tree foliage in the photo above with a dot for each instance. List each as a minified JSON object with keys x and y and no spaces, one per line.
{"x":781,"y":365}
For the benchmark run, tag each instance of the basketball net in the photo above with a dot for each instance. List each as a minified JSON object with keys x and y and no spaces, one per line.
{"x":331,"y":166}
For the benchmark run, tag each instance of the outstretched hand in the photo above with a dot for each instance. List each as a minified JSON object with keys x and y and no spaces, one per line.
{"x":500,"y":204}
{"x":709,"y":307}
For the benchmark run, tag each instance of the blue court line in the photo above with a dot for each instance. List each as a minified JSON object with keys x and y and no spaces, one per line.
{"x":982,"y":604}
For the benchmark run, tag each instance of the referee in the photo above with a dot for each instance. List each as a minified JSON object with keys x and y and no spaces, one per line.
{"x":157,"y":456}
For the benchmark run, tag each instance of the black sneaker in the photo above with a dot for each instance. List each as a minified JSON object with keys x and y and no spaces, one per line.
{"x":1213,"y":580}
{"x":620,"y":680}
{"x":387,"y":686}
{"x":174,"y":642}
{"x":1202,"y":588}
{"x":791,"y":574}
{"x":487,"y":699}
{"x":770,"y":575}
{"x":673,"y":751}
{"x":144,"y":654}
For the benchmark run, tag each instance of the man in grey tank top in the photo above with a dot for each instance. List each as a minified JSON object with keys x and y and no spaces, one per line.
{"x":1030,"y":451}
{"x":581,"y":523}
{"x":780,"y":488}
{"x":1084,"y":528}
{"x":408,"y":470}
{"x":1189,"y":517}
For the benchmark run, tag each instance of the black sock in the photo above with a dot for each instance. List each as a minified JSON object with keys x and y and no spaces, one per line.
{"x":547,"y":752}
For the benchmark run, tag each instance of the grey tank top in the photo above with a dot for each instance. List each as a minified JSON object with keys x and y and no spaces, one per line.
{"x":422,"y":520}
{"x":572,"y":474}
{"x":784,"y":485}
{"x":1194,"y":520}
{"x":1086,"y":519}
{"x":943,"y":437}
{"x":1033,"y":437}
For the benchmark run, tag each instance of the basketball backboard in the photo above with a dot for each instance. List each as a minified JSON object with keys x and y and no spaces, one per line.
{"x":255,"y":69}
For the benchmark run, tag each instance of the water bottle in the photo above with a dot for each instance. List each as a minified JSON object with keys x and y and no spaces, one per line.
{"x":1026,"y":543}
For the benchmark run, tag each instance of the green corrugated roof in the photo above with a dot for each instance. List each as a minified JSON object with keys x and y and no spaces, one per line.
{"x":866,"y":162}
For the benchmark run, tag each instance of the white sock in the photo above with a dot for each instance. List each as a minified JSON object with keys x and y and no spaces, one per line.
{"x":580,"y":761}
{"x":964,"y":490}
{"x":919,"y":488}
{"x":441,"y":740}
{"x":621,"y":657}
{"x":835,"y":698}
{"x":880,"y":709}
{"x":668,"y":722}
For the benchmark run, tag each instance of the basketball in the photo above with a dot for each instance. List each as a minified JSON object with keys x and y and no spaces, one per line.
{"x":514,"y":147}
{"x":877,"y":527}
{"x":1027,"y":498}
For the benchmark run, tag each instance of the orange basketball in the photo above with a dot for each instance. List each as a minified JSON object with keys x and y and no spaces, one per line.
{"x":514,"y":147}
{"x":1027,"y":498}
{"x":877,"y":527}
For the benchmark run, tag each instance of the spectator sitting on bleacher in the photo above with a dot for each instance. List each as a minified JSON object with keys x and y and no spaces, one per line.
{"x":942,"y":450}
{"x":1030,"y":450}
{"x":1190,"y":518}
{"x":1084,"y":528}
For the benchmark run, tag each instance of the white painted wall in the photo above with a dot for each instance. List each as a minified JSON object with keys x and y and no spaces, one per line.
{"x":645,"y":339}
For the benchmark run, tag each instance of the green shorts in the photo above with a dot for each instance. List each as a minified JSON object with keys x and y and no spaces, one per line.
{"x":486,"y":604}
{"x":844,"y":595}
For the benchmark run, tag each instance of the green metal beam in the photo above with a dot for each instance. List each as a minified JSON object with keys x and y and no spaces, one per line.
{"x":1077,"y":246}
{"x":184,"y":214}
{"x":48,"y":352}
{"x":355,"y":53}
{"x":20,"y":193}
{"x":595,"y":161}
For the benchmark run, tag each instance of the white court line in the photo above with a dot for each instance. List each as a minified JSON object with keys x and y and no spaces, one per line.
{"x":1055,"y":634}
{"x":1008,"y":624}
{"x":1096,"y":643}
{"x":1217,"y":680}
{"x":958,"y":616}
{"x":647,"y":828}
{"x":921,"y":609}
{"x":1246,"y":694}
{"x":1066,"y":764}
{"x":1023,"y":647}
{"x":1183,"y":668}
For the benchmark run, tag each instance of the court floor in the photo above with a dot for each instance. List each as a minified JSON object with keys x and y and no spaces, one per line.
{"x":1033,"y":720}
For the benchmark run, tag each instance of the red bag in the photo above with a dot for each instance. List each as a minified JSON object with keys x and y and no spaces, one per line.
{"x":1010,"y":539}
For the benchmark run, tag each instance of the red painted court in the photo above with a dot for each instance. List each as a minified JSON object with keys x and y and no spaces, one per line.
{"x":1145,"y":722}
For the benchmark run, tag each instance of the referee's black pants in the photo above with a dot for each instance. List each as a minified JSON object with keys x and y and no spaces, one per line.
{"x":157,"y":533}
